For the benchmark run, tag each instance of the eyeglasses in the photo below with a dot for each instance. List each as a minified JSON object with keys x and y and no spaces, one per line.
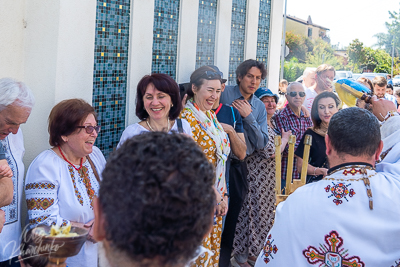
{"x":89,"y":129}
{"x":294,"y":94}
{"x":212,"y":75}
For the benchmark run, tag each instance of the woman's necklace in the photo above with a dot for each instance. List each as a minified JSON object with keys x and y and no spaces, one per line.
{"x":80,"y":165}
{"x":151,"y":128}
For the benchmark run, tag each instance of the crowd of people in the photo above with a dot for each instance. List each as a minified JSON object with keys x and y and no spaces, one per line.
{"x":193,"y":182}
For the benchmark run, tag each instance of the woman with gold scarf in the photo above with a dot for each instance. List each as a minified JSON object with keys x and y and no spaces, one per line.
{"x":324,"y":106}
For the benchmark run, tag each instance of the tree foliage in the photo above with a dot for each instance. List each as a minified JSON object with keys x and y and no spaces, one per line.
{"x":386,"y":40}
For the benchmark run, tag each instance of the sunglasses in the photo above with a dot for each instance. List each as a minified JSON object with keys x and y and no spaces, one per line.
{"x":90,"y":129}
{"x":294,"y":94}
{"x":212,"y":75}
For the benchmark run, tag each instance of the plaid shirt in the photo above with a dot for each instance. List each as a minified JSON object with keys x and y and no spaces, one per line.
{"x":287,"y":120}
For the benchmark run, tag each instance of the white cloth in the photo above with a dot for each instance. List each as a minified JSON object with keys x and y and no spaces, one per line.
{"x":56,"y":193}
{"x":10,"y":237}
{"x":136,"y":128}
{"x":329,"y":223}
{"x":309,"y":100}
{"x":391,"y":98}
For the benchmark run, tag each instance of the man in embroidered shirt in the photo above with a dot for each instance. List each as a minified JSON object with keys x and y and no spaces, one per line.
{"x":292,"y":118}
{"x":324,"y":76}
{"x":16,"y":102}
{"x":349,"y":218}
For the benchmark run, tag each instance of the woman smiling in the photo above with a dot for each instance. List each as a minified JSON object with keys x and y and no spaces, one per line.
{"x":324,"y":106}
{"x":204,"y":91}
{"x":158,"y":105}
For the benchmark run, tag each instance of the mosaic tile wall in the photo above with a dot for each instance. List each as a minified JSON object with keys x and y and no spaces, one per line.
{"x":238,"y":31}
{"x":263,"y":33}
{"x":206,"y":31}
{"x":110,"y":70}
{"x":165,"y":36}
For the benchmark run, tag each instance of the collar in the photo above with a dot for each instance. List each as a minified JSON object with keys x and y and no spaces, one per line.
{"x":349,"y":165}
{"x":238,"y":95}
{"x":290,"y":112}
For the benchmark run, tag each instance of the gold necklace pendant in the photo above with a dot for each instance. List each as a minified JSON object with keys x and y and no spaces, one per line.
{"x":151,"y":128}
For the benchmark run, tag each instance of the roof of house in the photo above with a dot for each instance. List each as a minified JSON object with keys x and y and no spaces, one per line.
{"x":306,"y":22}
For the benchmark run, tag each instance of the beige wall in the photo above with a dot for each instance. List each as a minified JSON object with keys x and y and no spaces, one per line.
{"x":296,"y":27}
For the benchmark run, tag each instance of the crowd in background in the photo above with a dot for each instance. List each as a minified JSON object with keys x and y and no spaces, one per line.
{"x":233,"y":126}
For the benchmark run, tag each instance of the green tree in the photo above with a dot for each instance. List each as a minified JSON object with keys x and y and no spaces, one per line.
{"x":297,"y":47}
{"x":386,"y":40}
{"x":323,"y":53}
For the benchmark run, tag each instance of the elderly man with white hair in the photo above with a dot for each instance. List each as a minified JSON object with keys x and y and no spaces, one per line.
{"x":308,"y":77}
{"x":16,"y":102}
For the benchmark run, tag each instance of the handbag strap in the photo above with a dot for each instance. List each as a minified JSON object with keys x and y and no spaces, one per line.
{"x":93,"y":168}
{"x":179,"y":124}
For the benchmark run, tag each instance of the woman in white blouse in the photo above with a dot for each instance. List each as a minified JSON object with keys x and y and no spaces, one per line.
{"x":62,"y":182}
{"x":158,"y":105}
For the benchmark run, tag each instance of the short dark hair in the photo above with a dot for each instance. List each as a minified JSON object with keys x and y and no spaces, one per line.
{"x":314,"y":110}
{"x":246,"y":65}
{"x":354,"y":131}
{"x":389,"y":86}
{"x":65,"y":116}
{"x":198,"y":76}
{"x":164,"y":83}
{"x":157,"y":198}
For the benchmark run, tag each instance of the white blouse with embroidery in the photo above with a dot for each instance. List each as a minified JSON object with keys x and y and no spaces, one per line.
{"x":57,"y":194}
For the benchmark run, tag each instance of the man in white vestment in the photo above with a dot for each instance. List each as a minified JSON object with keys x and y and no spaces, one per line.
{"x":16,"y":102}
{"x":351,"y":217}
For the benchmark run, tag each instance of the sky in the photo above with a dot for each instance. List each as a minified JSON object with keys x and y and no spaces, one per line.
{"x":346,"y":19}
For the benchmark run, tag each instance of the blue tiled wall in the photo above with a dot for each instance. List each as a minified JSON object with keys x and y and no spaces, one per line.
{"x":264,"y":19}
{"x":165,"y":36}
{"x":110,"y":70}
{"x":206,"y":31}
{"x":238,"y":30}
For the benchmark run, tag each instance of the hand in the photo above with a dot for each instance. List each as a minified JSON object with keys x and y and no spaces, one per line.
{"x":381,"y":107}
{"x":227,"y":128}
{"x":222,"y":208}
{"x":243,"y":106}
{"x":305,"y":111}
{"x":286,"y":135}
{"x":5,"y":171}
{"x":2,"y":219}
{"x":90,"y":226}
{"x":184,"y":99}
{"x":321,"y":171}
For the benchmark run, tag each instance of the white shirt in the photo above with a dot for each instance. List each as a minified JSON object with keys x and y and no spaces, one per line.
{"x":330,"y":223}
{"x":56,"y":193}
{"x":391,"y":98}
{"x":11,"y":233}
{"x":136,"y":128}
{"x":310,"y":95}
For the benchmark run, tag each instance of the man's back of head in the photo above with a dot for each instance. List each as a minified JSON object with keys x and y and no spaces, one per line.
{"x":156,"y":201}
{"x":355,"y":132}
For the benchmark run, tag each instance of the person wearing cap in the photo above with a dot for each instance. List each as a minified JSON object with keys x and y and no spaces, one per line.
{"x":257,"y":213}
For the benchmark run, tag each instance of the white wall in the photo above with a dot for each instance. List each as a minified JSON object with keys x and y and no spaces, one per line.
{"x":140,"y":51}
{"x":223,"y":36}
{"x":275,"y":40}
{"x":252,"y":14}
{"x":59,"y":59}
{"x":187,"y":39}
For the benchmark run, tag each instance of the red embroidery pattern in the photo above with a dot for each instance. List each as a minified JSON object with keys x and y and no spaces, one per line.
{"x":77,"y":194}
{"x":38,"y":219}
{"x":339,"y":191}
{"x":39,"y":203}
{"x":331,"y":253}
{"x":269,"y":249}
{"x":352,"y":171}
{"x":84,"y":173}
{"x":40,"y":186}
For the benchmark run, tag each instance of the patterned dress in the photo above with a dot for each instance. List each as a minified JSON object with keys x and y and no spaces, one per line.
{"x":213,"y":240}
{"x":257,"y":213}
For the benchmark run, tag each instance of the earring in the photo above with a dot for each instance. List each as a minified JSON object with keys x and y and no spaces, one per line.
{"x":172,"y":105}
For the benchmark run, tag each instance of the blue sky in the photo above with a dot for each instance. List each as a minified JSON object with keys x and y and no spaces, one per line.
{"x":346,"y":19}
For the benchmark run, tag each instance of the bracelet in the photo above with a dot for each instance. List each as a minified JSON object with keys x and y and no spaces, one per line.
{"x":315,"y":170}
{"x":388,"y":115}
{"x":222,"y":199}
{"x":226,"y":195}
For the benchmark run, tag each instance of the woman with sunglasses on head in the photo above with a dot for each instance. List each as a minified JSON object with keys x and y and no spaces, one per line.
{"x":207,"y":132}
{"x":158,"y":105}
{"x":62,"y":182}
{"x":325,"y":105}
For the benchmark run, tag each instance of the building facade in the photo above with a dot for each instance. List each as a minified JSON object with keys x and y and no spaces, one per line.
{"x":306,"y":28}
{"x":99,"y":50}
